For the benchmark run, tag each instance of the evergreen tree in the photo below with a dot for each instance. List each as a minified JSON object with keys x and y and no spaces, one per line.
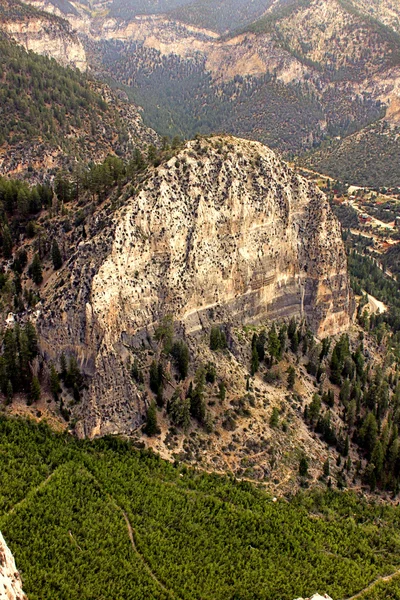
{"x":54,"y":382}
{"x":151,"y":428}
{"x":56,"y":256}
{"x":180,"y":353}
{"x":273,"y":344}
{"x":222,"y":391}
{"x":303,"y":467}
{"x":291,"y":377}
{"x":35,"y":390}
{"x":254,"y":361}
{"x":35,"y":270}
{"x":197,"y":404}
{"x":274,"y":420}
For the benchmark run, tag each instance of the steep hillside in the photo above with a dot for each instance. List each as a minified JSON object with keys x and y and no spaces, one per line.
{"x":368,"y":158}
{"x":168,"y":531}
{"x":224,"y":16}
{"x":52,"y":115}
{"x":386,"y":11}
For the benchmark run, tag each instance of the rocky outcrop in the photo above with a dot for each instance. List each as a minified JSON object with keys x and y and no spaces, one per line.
{"x":42,"y":33}
{"x":317,"y":597}
{"x":10,"y":580}
{"x":224,"y":231}
{"x":44,"y":38}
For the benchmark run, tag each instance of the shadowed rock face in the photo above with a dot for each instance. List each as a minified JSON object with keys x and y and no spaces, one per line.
{"x":224,"y":230}
{"x":10,"y":581}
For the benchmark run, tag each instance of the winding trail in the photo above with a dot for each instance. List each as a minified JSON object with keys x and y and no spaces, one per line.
{"x":131,"y":535}
{"x":369,"y":587}
{"x":31,"y":493}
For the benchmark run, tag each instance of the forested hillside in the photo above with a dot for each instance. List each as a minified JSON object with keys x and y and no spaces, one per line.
{"x":226,"y":15}
{"x":171,"y":532}
{"x":51,"y":113}
{"x":368,"y":158}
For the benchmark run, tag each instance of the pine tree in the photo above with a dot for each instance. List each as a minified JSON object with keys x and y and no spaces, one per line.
{"x":273,"y":344}
{"x":291,"y":378}
{"x":35,"y":390}
{"x":303,"y":467}
{"x":274,"y":420}
{"x":56,"y":256}
{"x":54,"y":382}
{"x":254,"y":361}
{"x":151,"y":428}
{"x":222,"y":391}
{"x":35,"y":270}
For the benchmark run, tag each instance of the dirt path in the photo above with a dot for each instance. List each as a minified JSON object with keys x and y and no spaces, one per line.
{"x":385,"y":579}
{"x":31,"y":493}
{"x":135,"y":549}
{"x":131,"y":534}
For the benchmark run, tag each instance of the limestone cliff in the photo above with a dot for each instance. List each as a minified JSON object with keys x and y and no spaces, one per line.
{"x":43,"y":33}
{"x":224,"y":231}
{"x":10,"y":580}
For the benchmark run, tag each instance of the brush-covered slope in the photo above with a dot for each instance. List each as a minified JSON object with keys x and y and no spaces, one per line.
{"x":223,"y":232}
{"x":369,"y":157}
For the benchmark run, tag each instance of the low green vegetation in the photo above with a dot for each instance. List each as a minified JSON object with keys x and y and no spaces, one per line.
{"x":67,"y":509}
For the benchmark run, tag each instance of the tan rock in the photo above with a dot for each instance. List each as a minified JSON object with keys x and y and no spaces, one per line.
{"x":224,"y":231}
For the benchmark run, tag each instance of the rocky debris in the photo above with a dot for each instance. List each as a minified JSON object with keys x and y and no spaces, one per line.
{"x":10,"y":580}
{"x":317,"y":597}
{"x":224,"y":232}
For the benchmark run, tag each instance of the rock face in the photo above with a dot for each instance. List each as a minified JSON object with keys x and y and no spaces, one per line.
{"x":10,"y":580}
{"x":44,"y":34}
{"x":224,"y":231}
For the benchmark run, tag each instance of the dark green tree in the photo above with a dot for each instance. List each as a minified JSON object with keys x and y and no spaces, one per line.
{"x":56,"y":256}
{"x":35,"y":270}
{"x":291,"y":377}
{"x":151,"y":428}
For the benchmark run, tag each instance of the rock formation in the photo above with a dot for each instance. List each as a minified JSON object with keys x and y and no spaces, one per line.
{"x":317,"y":597}
{"x":44,"y":34}
{"x":10,"y":580}
{"x":224,"y":232}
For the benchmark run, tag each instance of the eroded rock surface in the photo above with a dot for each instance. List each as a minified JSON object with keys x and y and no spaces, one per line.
{"x":10,"y":580}
{"x":224,"y":232}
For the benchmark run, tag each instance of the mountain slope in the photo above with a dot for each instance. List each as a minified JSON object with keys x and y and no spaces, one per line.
{"x":368,"y":158}
{"x":52,"y":115}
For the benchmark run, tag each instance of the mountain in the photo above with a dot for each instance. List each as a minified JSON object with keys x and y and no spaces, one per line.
{"x":197,"y":241}
{"x":292,"y":74}
{"x":303,"y":72}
